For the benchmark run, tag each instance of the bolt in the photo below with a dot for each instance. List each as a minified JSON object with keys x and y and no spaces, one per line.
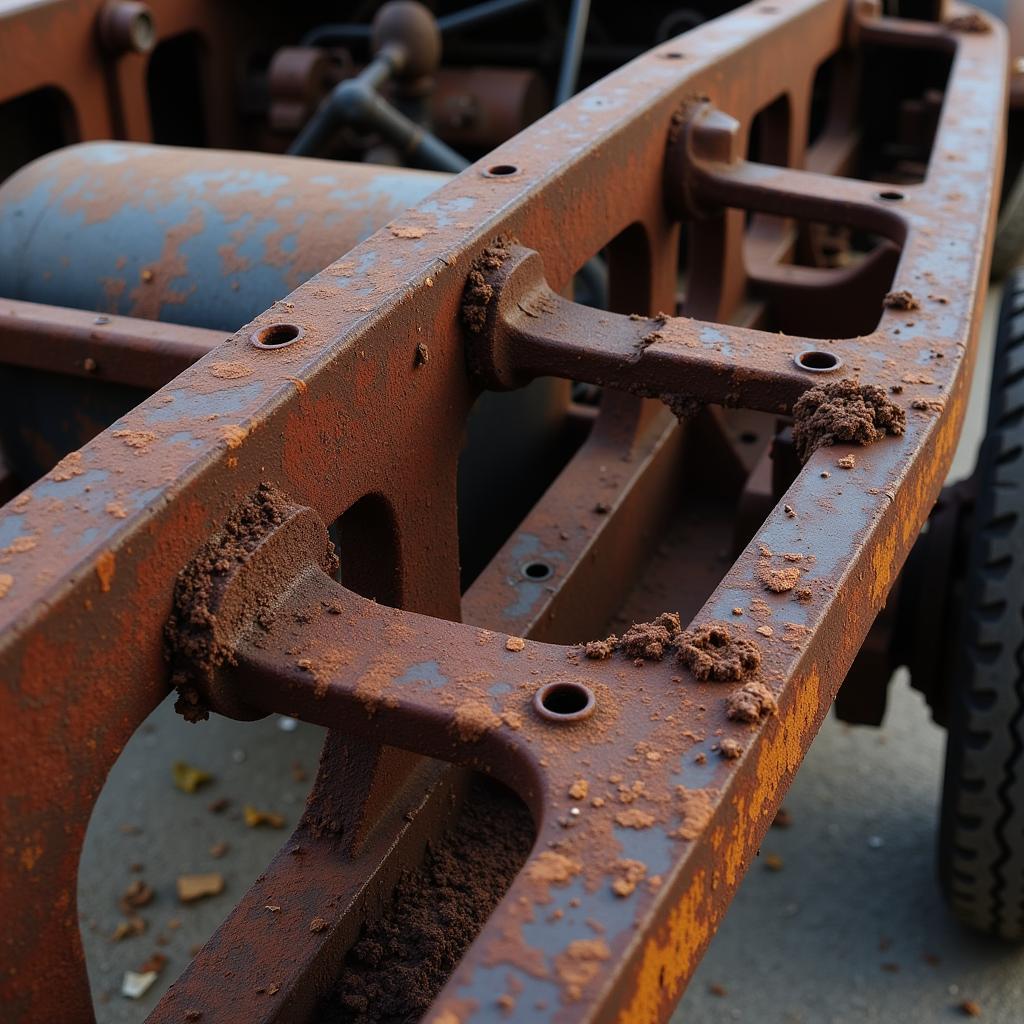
{"x":126,"y":26}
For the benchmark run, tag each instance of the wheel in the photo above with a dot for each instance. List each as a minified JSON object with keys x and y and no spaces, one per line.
{"x":1009,"y":244}
{"x":981,"y":834}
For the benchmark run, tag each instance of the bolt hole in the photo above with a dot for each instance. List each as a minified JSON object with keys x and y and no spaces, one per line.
{"x":564,"y":702}
{"x":537,"y":570}
{"x":674,"y":55}
{"x":748,"y":437}
{"x":818,"y":362}
{"x":501,"y":170}
{"x":276,"y":335}
{"x":891,"y":197}
{"x":142,"y":32}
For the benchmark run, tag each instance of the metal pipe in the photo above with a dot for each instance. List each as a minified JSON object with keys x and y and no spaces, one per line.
{"x":355,"y":101}
{"x":471,"y":17}
{"x":572,"y":55}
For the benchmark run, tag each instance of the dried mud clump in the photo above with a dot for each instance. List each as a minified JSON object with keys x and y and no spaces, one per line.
{"x":711,"y":652}
{"x":730,"y":749}
{"x":901,"y":300}
{"x":479,"y":292}
{"x":778,"y":581}
{"x":191,"y":641}
{"x":750,"y":703}
{"x":403,"y":958}
{"x":601,"y":650}
{"x":643,"y":641}
{"x":844,"y":412}
{"x":972,"y":22}
{"x":650,"y":640}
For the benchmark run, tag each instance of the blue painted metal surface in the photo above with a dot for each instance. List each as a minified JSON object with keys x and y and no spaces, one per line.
{"x":202,"y":237}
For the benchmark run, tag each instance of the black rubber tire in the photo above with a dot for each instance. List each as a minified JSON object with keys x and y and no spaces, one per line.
{"x":1008,"y":249}
{"x":981,"y":832}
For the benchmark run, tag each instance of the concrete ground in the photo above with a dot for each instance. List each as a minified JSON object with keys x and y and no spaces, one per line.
{"x":849,"y":927}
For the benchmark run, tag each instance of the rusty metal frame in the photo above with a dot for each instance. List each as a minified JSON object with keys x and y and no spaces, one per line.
{"x":351,"y":409}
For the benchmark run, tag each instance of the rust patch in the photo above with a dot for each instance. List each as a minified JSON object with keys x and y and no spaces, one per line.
{"x":105,"y":567}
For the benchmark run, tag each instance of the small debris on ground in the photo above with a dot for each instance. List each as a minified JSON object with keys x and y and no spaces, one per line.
{"x":718,"y":990}
{"x":846,"y":462}
{"x":515,"y":644}
{"x":197,"y":887}
{"x":783,"y":819}
{"x":138,"y":894}
{"x":221,"y":804}
{"x":773,"y":862}
{"x":218,"y":850}
{"x":255,"y":818}
{"x":135,"y":985}
{"x":189,"y":778}
{"x":126,"y":929}
{"x":154,"y":964}
{"x":969,"y":1008}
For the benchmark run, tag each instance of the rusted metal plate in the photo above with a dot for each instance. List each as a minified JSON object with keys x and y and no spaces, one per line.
{"x":349,"y":409}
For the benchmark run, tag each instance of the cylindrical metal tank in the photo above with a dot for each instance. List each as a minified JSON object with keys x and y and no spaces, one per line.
{"x":211,"y":239}
{"x":192,"y":236}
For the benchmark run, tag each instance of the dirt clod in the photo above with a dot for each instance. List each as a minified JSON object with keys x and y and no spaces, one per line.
{"x":650,"y":640}
{"x":191,"y":640}
{"x":752,"y":702}
{"x":778,"y":581}
{"x":730,"y":749}
{"x":601,"y":650}
{"x":711,"y":652}
{"x":972,"y":22}
{"x":844,"y":411}
{"x":629,"y":874}
{"x":900,"y":300}
{"x":479,"y":293}
{"x":401,"y":960}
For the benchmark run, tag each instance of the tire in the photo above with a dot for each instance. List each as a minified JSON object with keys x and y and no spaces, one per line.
{"x":1008,"y":249}
{"x":981,"y":831}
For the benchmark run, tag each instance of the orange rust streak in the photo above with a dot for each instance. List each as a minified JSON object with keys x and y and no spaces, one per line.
{"x":106,"y":564}
{"x":672,"y":954}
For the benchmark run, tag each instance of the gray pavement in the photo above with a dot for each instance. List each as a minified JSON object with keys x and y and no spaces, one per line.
{"x":849,"y":928}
